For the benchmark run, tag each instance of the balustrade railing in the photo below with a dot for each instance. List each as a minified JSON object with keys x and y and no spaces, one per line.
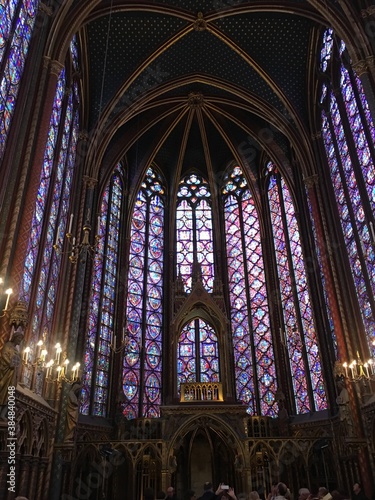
{"x":201,"y":391}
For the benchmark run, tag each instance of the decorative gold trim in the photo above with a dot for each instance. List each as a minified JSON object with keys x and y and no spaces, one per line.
{"x":55,"y":67}
{"x":311,"y":181}
{"x":89,"y":182}
{"x":42,"y":7}
{"x":195,"y":99}
{"x":360,"y":67}
{"x":193,"y":392}
{"x":369,"y":11}
{"x":200,"y":24}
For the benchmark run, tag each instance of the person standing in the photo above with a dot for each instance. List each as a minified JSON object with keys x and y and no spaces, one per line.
{"x":358,"y":493}
{"x":208,"y":492}
{"x":171,"y":495}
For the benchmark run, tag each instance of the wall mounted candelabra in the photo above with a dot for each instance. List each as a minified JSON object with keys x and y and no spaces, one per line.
{"x":79,"y":248}
{"x":55,"y":369}
{"x":356,"y":369}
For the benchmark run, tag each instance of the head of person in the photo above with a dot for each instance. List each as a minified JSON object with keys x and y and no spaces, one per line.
{"x":282,"y":489}
{"x":160,"y":495}
{"x":243,"y":496}
{"x":322,"y":492}
{"x":190,"y":495}
{"x":254,"y":495}
{"x":303,"y":493}
{"x":357,"y":487}
{"x":170,"y":492}
{"x":21,"y":498}
{"x":207,"y":486}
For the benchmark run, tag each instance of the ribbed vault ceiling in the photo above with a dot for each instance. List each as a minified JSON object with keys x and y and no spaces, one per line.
{"x":196,"y":84}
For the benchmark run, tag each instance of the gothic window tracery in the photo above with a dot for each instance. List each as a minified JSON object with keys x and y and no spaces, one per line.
{"x":255,"y":370}
{"x":348,"y":134}
{"x":50,"y":217}
{"x":300,"y":339}
{"x":197,"y":354}
{"x":194,"y":247}
{"x":142,"y":364}
{"x":17,"y":19}
{"x":101,"y":320}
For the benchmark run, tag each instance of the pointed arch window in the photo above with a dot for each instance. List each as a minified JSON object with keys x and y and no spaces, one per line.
{"x":17,"y":19}
{"x":42,"y":264}
{"x":197,"y":354}
{"x":254,"y":363}
{"x":348,"y":134}
{"x":142,"y":365}
{"x":101,"y":319}
{"x":194,"y":245}
{"x":300,"y":340}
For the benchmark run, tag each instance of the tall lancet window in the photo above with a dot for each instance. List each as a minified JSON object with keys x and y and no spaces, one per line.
{"x":348,"y":133}
{"x":250,"y":317}
{"x":194,"y":245}
{"x":101,"y":318}
{"x":300,"y":340}
{"x":197,"y":354}
{"x":17,"y":19}
{"x":49,"y":222}
{"x":142,"y":366}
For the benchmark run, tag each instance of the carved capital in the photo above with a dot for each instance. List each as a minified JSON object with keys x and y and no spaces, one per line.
{"x":360,"y":67}
{"x":42,"y":7}
{"x":89,"y":182}
{"x":316,"y":136}
{"x":311,"y":181}
{"x":83,"y":135}
{"x":370,"y":11}
{"x":55,"y":67}
{"x":370,"y":62}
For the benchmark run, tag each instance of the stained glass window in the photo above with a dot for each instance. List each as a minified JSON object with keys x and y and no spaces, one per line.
{"x":17,"y":18}
{"x":101,"y":320}
{"x":51,"y":212}
{"x":194,"y":232}
{"x":142,"y":365}
{"x":197,"y":354}
{"x":348,"y":133}
{"x":300,"y":340}
{"x":250,"y":318}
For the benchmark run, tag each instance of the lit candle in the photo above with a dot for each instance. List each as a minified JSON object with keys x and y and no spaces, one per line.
{"x":49,"y":368}
{"x":44,"y":354}
{"x":345,"y":365}
{"x":39,"y":344}
{"x":57,"y":236}
{"x":9,"y":293}
{"x":365,"y":366}
{"x":26,"y":354}
{"x":58,"y":352}
{"x":70,"y":224}
{"x":59,"y":372}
